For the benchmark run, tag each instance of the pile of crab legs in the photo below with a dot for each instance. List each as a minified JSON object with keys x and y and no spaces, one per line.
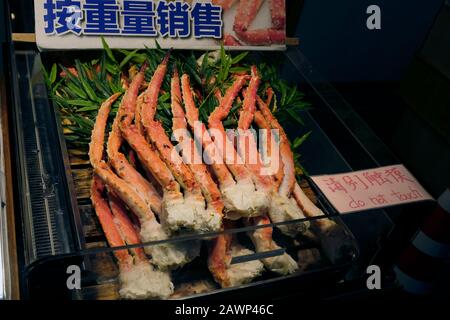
{"x":195,"y":196}
{"x":246,"y":12}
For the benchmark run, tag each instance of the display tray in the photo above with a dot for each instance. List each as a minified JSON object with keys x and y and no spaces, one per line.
{"x":61,"y":218}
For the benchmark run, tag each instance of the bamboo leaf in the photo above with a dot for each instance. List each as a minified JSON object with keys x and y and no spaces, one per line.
{"x":239,"y":57}
{"x":299,"y":140}
{"x":82,"y":103}
{"x":52,"y":76}
{"x":295,"y":116}
{"x":108,"y":50}
{"x":127,"y":58}
{"x":79,"y":92}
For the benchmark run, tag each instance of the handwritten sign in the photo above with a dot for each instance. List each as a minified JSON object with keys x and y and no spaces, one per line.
{"x":373,"y":188}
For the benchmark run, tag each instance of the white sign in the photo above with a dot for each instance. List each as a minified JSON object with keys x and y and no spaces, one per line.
{"x":373,"y":188}
{"x":179,"y":24}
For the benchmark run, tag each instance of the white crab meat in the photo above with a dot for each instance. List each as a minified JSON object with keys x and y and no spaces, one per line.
{"x":142,"y":281}
{"x":178,"y":214}
{"x":283,"y":264}
{"x":190,"y":213}
{"x":242,"y":200}
{"x":167,"y":256}
{"x":285,"y":209}
{"x":209,"y":221}
{"x":245,"y":272}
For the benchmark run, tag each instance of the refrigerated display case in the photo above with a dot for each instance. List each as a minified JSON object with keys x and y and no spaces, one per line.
{"x":57,"y":227}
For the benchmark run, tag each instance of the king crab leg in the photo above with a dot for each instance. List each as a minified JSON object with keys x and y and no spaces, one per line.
{"x":138,"y":278}
{"x":165,"y":255}
{"x":118,"y":160}
{"x":260,"y":37}
{"x":191,"y":213}
{"x":335,"y":241}
{"x":246,"y":12}
{"x":279,"y":209}
{"x":225,"y":4}
{"x":172,"y":197}
{"x":262,"y":240}
{"x":254,"y":202}
{"x":201,"y":173}
{"x":287,"y":185}
{"x":221,"y":248}
{"x":230,"y":40}
{"x":237,"y":203}
{"x":221,"y":251}
{"x":283,"y":207}
{"x":278,"y":13}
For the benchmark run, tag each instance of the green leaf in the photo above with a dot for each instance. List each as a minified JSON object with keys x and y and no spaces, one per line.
{"x":79,"y":92}
{"x":70,"y":76}
{"x":82,"y":121}
{"x":52,"y":76}
{"x":102,"y":74}
{"x":238,"y":69}
{"x":299,"y":140}
{"x":295,"y":116}
{"x":108,"y":50}
{"x":164,"y":97}
{"x":239,"y":57}
{"x":82,"y":103}
{"x":85,"y":82}
{"x":128,"y":58}
{"x":88,"y":108}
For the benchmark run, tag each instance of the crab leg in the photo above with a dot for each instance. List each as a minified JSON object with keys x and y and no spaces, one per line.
{"x":191,"y":213}
{"x":259,"y":202}
{"x":246,"y":13}
{"x":230,"y":40}
{"x":287,"y":185}
{"x":278,"y":13}
{"x":120,"y":163}
{"x":125,"y":116}
{"x":137,"y":114}
{"x":270,"y":140}
{"x":138,"y":278}
{"x":124,"y":225}
{"x":221,"y":251}
{"x":149,"y":157}
{"x":283,"y":208}
{"x":225,"y":4}
{"x":105,"y":217}
{"x":262,"y":36}
{"x":333,"y":237}
{"x":201,"y":173}
{"x":219,"y":259}
{"x":280,"y":209}
{"x":240,"y":198}
{"x":164,"y":255}
{"x":246,"y":144}
{"x":262,"y":240}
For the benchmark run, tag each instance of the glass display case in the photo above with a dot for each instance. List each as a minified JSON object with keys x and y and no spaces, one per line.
{"x":60,"y":228}
{"x":60,"y":236}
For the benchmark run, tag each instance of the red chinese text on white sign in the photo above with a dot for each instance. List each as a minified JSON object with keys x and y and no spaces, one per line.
{"x":373,"y":188}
